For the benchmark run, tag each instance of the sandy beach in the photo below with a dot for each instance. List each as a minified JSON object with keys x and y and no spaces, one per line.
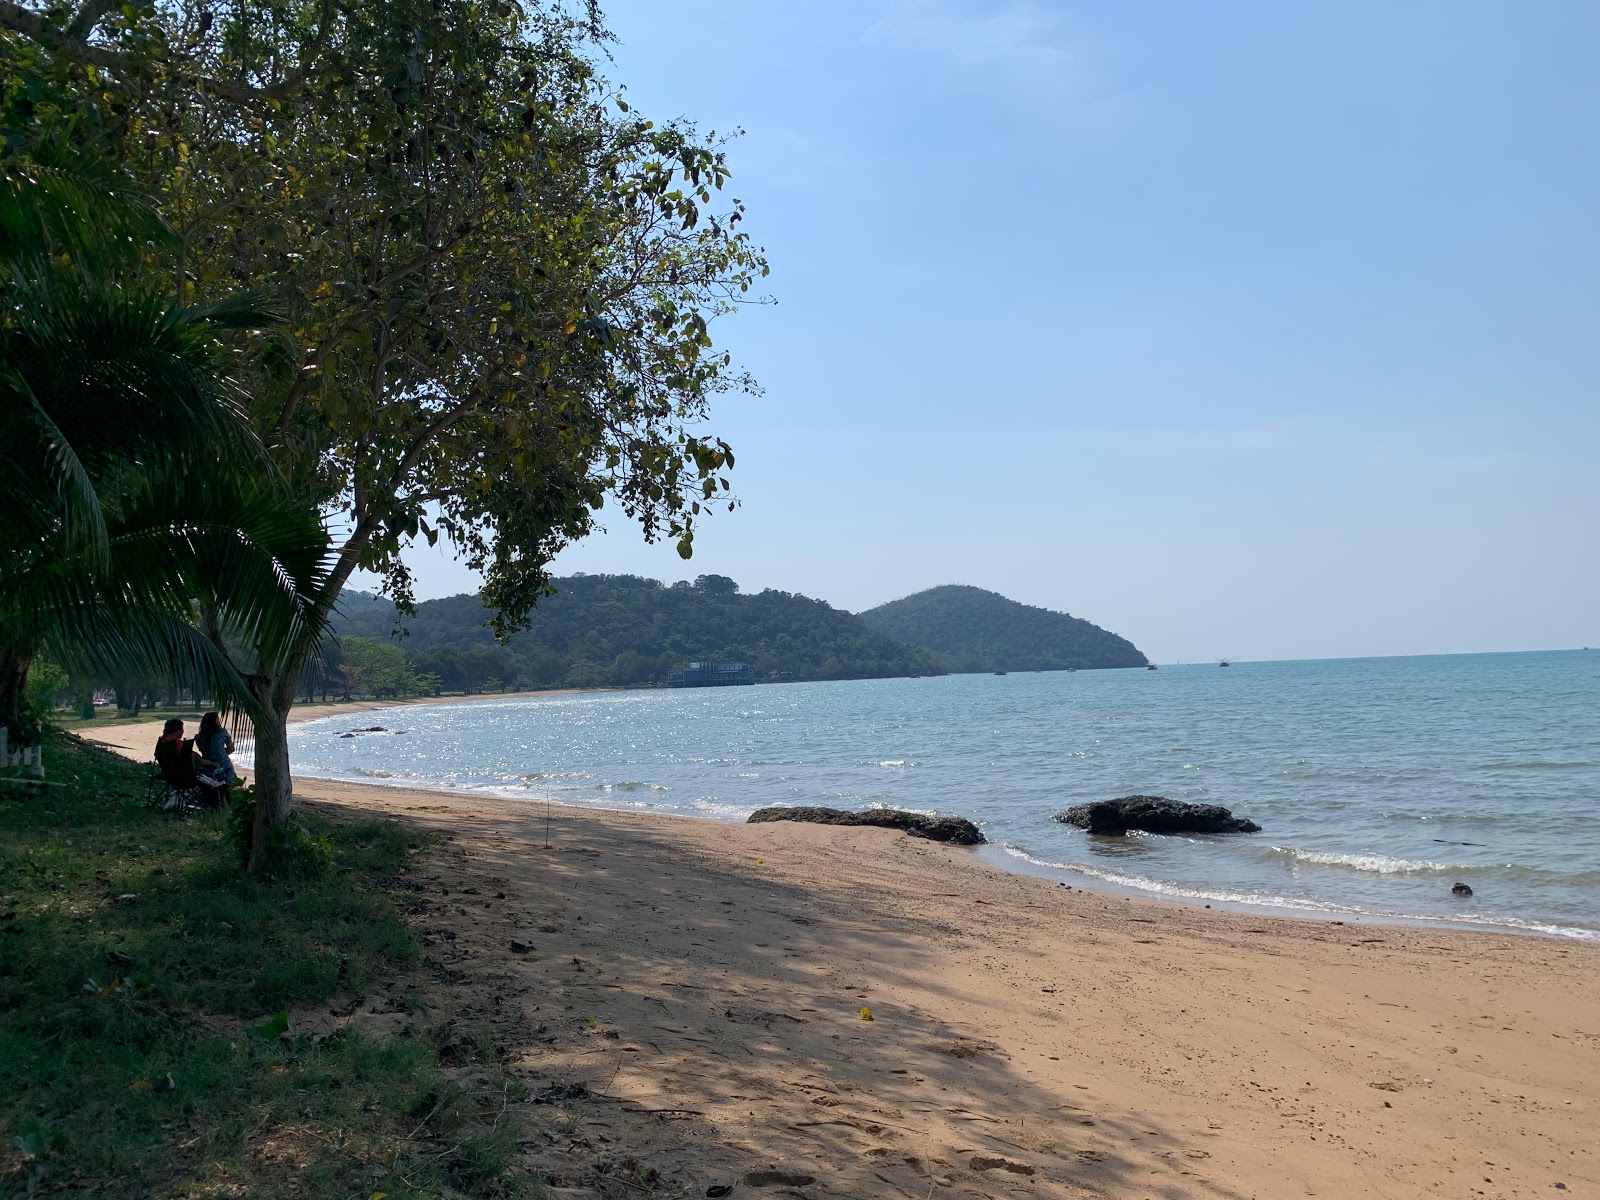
{"x":706,"y":985}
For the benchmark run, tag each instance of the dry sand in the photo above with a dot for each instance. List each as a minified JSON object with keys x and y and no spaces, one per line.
{"x":705,"y":983}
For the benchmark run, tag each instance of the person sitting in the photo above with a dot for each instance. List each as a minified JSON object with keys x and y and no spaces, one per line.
{"x":182,"y":767}
{"x":214,"y":744}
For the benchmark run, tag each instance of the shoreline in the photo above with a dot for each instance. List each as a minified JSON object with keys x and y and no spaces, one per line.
{"x":1002,"y":856}
{"x":1027,"y":865}
{"x":333,"y":708}
{"x":1025,"y":1038}
{"x":1087,"y":1044}
{"x":124,"y":739}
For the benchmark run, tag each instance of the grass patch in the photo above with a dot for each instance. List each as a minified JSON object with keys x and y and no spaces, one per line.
{"x":139,"y":974}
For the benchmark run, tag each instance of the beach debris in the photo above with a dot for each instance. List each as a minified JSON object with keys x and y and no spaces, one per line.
{"x":866,"y":1013}
{"x":982,"y":1162}
{"x":1154,"y":814}
{"x":559,"y":1093}
{"x":957,"y":831}
{"x":963,"y":1048}
{"x":775,"y":1177}
{"x":1461,"y":889}
{"x":719,"y":1189}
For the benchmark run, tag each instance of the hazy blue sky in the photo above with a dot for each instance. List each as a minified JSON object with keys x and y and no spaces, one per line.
{"x":1254,"y":329}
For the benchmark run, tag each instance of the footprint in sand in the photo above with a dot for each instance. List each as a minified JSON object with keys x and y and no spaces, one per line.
{"x":982,"y":1162}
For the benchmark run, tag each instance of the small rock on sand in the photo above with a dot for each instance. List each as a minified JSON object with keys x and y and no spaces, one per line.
{"x":958,"y":831}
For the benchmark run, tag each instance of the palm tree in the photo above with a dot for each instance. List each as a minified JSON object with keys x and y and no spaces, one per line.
{"x":144,"y":521}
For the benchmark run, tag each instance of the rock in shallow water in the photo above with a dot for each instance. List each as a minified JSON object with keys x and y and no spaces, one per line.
{"x":1155,"y":814}
{"x":958,"y":831}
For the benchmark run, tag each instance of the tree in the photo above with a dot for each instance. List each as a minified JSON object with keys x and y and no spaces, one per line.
{"x":376,"y":667}
{"x":142,"y":519}
{"x":498,"y":279}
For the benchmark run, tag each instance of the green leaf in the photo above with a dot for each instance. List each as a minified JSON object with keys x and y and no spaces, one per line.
{"x":273,"y":1028}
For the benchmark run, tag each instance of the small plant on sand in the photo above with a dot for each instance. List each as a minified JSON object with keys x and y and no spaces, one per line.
{"x":294,"y":851}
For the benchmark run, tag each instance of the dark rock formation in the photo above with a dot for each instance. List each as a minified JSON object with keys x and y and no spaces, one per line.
{"x":1155,"y":814}
{"x":958,"y":831}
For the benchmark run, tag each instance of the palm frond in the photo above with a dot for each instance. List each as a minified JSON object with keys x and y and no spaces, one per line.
{"x":61,"y":202}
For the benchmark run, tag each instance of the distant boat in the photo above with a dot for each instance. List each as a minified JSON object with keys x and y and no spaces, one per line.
{"x":1225,"y":663}
{"x":1150,"y":666}
{"x":999,"y":672}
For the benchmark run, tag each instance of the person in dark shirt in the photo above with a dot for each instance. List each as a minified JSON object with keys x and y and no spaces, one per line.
{"x":182,"y":766}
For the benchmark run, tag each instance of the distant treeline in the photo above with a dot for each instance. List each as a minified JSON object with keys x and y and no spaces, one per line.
{"x":603,"y":631}
{"x":970,"y":629}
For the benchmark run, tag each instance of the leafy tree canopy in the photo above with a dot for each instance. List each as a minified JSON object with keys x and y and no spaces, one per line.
{"x":498,"y":280}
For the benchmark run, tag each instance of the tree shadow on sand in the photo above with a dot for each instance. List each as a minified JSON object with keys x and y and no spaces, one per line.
{"x":713,"y":1018}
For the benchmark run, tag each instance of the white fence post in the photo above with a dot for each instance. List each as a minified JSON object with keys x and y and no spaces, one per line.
{"x":29,"y":758}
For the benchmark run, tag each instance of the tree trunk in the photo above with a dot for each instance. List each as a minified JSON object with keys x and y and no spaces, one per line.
{"x":273,"y":786}
{"x":14,"y":664}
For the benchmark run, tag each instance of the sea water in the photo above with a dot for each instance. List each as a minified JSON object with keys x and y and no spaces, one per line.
{"x":1378,"y":783}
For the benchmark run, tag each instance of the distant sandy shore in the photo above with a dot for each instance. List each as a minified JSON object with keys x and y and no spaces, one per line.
{"x":139,"y":736}
{"x":1026,"y":1039}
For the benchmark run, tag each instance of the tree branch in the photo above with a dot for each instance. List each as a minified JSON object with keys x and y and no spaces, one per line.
{"x":34,"y":27}
{"x":356,"y":319}
{"x":72,"y":42}
{"x":88,"y":17}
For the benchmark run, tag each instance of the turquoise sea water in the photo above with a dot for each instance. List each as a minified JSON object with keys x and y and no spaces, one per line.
{"x":1378,"y":782}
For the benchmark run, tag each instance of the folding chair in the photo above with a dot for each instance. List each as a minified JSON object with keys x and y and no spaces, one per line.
{"x":162,"y":793}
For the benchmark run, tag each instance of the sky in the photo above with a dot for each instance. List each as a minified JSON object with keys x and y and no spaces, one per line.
{"x":1244,"y":329}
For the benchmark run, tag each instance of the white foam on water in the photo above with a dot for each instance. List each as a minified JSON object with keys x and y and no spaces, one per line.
{"x":704,"y":806}
{"x":1380,"y":864}
{"x":1326,"y":908}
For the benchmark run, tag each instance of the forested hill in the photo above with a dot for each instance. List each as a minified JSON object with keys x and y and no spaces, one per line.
{"x":614,"y":630}
{"x":970,"y":629}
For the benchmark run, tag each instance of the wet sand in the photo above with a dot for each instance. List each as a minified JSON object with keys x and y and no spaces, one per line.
{"x":705,"y":983}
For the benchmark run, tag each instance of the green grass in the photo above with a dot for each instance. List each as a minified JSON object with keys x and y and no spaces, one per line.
{"x":138,"y":966}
